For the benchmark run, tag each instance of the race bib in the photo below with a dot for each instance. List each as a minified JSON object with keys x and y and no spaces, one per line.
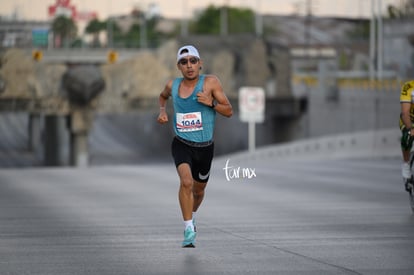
{"x":189,"y":122}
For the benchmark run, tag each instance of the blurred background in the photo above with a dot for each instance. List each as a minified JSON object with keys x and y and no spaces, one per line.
{"x":79,"y":80}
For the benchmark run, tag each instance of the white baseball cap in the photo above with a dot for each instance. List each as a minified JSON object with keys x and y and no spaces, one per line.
{"x":187,"y":50}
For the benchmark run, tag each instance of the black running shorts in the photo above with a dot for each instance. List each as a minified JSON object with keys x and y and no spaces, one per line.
{"x":198,"y":155}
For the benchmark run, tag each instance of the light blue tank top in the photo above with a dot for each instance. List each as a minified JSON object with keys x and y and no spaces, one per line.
{"x":193,"y":121}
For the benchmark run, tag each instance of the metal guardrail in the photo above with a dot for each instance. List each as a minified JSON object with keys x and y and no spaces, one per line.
{"x":84,"y":56}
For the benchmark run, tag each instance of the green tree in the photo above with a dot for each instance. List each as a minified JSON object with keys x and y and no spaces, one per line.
{"x":64,"y":28}
{"x":393,"y":12}
{"x":208,"y":22}
{"x":404,"y":10}
{"x":113,"y":32}
{"x":95,"y":27}
{"x":132,"y":38}
{"x":240,"y":20}
{"x":154,"y":37}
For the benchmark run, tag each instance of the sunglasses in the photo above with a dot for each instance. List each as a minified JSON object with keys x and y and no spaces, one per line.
{"x":184,"y":61}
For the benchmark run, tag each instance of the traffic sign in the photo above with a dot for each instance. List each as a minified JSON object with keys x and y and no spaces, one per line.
{"x":252,"y":104}
{"x":37,"y":55}
{"x":40,"y":37}
{"x":252,"y":109}
{"x":112,"y":56}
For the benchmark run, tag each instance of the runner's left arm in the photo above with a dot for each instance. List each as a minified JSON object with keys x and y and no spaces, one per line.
{"x":222,"y":103}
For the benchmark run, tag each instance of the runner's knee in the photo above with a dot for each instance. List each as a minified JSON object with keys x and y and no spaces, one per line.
{"x":187,"y":183}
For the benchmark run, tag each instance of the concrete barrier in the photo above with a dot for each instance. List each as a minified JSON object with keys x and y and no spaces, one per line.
{"x":367,"y":144}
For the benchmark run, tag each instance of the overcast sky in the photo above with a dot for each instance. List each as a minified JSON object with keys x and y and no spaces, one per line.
{"x":37,"y":9}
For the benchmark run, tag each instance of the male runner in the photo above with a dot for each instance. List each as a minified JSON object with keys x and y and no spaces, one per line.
{"x":196,"y":100}
{"x":406,"y":125}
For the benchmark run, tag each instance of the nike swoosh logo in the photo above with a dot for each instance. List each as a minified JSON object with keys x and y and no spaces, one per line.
{"x":203,"y":177}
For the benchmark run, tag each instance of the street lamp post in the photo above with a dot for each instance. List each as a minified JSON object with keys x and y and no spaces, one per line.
{"x":259,"y":20}
{"x":224,"y":19}
{"x":184,"y":20}
{"x":376,"y":41}
{"x":109,"y":27}
{"x":372,"y":42}
{"x":380,"y":42}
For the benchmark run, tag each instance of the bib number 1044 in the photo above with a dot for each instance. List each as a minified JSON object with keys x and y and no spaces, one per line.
{"x":189,"y":122}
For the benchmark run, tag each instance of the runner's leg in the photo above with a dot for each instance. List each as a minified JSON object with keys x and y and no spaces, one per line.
{"x":185,"y":193}
{"x":198,"y":194}
{"x":201,"y":173}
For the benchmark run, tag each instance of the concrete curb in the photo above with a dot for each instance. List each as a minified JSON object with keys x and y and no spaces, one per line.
{"x":367,"y":144}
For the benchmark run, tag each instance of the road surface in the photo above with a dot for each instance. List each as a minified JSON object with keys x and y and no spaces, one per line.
{"x":291,"y":217}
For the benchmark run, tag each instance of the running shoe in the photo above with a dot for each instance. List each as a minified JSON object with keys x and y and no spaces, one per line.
{"x":189,"y":237}
{"x":406,"y":170}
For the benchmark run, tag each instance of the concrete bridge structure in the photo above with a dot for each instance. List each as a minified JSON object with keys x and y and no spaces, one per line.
{"x":56,"y":125}
{"x":119,"y":125}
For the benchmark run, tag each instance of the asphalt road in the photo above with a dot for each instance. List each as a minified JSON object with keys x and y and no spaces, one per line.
{"x":297,"y":217}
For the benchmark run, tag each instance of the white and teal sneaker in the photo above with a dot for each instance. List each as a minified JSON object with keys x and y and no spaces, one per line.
{"x":406,"y":170}
{"x":189,"y":237}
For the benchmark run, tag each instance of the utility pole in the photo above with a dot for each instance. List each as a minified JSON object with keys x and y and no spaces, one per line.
{"x":380,"y":42}
{"x":259,"y":20}
{"x":109,"y":28}
{"x":224,"y":19}
{"x":143,"y":31}
{"x":143,"y":25}
{"x":184,"y":20}
{"x":376,"y":41}
{"x":372,"y":41}
{"x":308,"y":22}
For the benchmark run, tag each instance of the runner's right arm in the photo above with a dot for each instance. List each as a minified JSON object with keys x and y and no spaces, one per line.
{"x":162,"y":100}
